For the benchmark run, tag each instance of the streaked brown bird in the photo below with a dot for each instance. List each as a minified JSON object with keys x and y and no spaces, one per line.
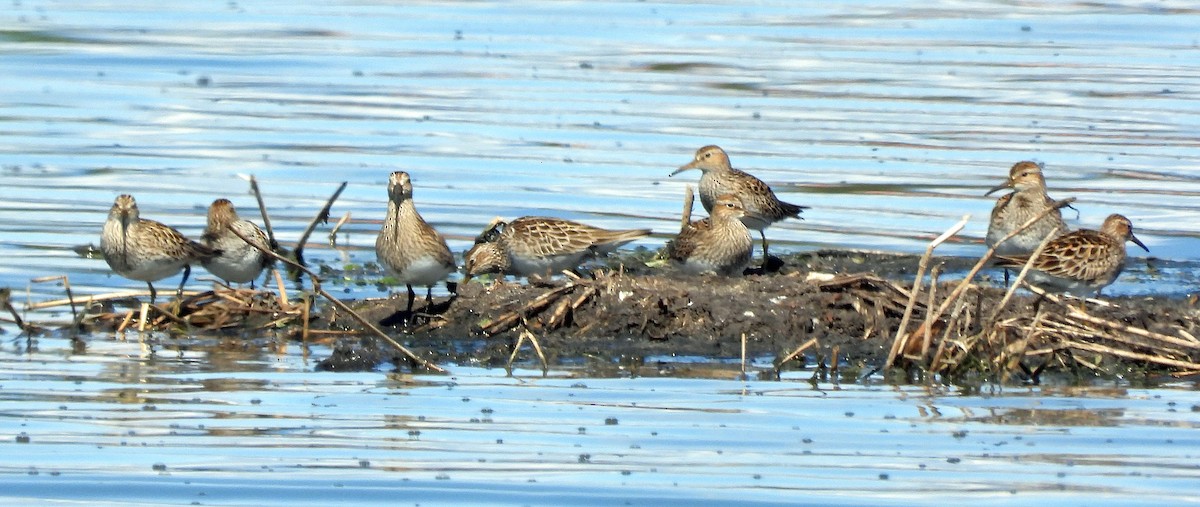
{"x":718,"y":244}
{"x":762,"y":207}
{"x":407,"y":246}
{"x":145,"y":250}
{"x":541,"y":246}
{"x":1012,"y":210}
{"x":239,"y":262}
{"x":1081,"y":262}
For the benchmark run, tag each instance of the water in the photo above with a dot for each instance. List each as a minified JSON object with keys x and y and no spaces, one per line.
{"x":146,"y":422}
{"x":889,"y":119}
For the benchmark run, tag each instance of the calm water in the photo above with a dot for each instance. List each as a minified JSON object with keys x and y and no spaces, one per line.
{"x":147,"y":423}
{"x":890,"y":119}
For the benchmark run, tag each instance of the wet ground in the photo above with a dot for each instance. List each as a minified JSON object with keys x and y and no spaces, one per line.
{"x":630,"y":312}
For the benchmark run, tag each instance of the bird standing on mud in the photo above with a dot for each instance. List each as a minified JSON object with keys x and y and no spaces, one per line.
{"x":762,"y":207}
{"x":145,"y":250}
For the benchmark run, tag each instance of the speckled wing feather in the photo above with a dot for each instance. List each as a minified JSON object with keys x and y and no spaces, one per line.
{"x":546,"y":237}
{"x":684,"y":244}
{"x":768,"y":205}
{"x":173,"y":243}
{"x":1083,"y":255}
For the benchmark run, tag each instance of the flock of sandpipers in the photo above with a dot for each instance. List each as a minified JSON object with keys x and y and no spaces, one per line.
{"x":1080,"y":262}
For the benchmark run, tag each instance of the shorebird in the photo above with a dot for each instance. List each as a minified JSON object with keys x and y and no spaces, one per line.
{"x":1084,"y":261}
{"x":719,"y":178}
{"x":239,"y":262}
{"x":407,"y":246}
{"x":541,"y":246}
{"x":145,"y":250}
{"x":1014,"y":209}
{"x":720,"y":243}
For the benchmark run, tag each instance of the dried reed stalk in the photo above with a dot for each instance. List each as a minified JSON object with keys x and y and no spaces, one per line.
{"x":916,"y":288}
{"x":322,"y":217}
{"x":688,"y":200}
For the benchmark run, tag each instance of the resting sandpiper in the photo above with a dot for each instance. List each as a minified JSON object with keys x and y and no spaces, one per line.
{"x":410,"y":248}
{"x":1012,"y":210}
{"x":719,"y":178}
{"x":239,"y":262}
{"x":541,"y":246}
{"x":1084,"y":261}
{"x":720,"y":243}
{"x":146,"y":250}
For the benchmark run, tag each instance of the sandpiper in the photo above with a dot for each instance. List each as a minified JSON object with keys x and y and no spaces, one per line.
{"x":720,"y":243}
{"x":146,"y":250}
{"x":410,"y":248}
{"x":239,"y":262}
{"x":719,"y":177}
{"x":1084,"y":261}
{"x":541,"y":246}
{"x":1014,"y":209}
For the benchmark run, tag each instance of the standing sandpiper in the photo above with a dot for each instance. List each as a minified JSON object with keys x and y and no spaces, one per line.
{"x":146,"y":250}
{"x":1084,"y":261}
{"x":1012,"y":210}
{"x":720,"y":243}
{"x":408,"y":246}
{"x":719,"y":177}
{"x":239,"y":262}
{"x":541,"y":246}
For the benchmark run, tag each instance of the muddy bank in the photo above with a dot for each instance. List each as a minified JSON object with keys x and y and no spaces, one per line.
{"x":852,"y":303}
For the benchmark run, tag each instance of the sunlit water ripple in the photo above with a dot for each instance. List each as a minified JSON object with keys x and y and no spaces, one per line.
{"x":144,"y":422}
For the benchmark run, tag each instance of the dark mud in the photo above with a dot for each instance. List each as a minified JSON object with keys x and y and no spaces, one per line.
{"x":630,"y":314}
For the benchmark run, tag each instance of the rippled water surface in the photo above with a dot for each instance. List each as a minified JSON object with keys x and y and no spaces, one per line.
{"x":889,"y":119}
{"x":149,"y":422}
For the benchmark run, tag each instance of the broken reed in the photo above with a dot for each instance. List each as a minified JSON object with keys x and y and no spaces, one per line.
{"x":1048,"y":333}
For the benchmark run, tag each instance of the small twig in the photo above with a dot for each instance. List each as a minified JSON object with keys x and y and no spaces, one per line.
{"x":322,"y":217}
{"x":927,"y":337}
{"x":804,"y":346}
{"x":688,"y":199}
{"x":305,"y":319}
{"x":101,"y":297}
{"x":1094,"y":347}
{"x":336,"y":228}
{"x":743,"y":356}
{"x":282,"y":288}
{"x":6,"y":301}
{"x":67,"y":286}
{"x":262,"y":208}
{"x":142,"y":317}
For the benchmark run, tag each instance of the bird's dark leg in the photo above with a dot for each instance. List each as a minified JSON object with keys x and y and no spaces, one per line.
{"x":153,"y":293}
{"x":187,"y":271}
{"x":766,"y":257}
{"x":1006,"y":277}
{"x":429,"y":299}
{"x":412,"y":296}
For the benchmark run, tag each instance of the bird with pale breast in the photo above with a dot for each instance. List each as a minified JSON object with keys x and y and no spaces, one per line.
{"x":1081,"y":262}
{"x":239,"y":261}
{"x":718,"y":244}
{"x":1012,"y":210}
{"x":719,"y":177}
{"x":145,"y":250}
{"x":411,"y":250}
{"x":541,"y":246}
